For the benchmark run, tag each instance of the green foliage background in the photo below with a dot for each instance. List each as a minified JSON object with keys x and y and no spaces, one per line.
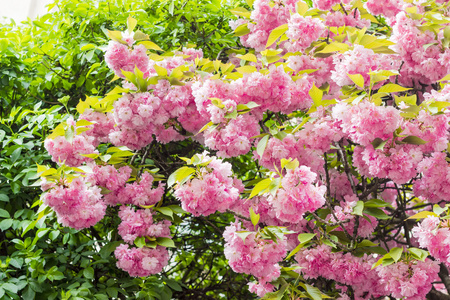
{"x":58,"y":59}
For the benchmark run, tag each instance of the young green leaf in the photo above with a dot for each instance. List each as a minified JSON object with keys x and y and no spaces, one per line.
{"x":357,"y":79}
{"x":358,"y":209}
{"x":165,"y":242}
{"x":423,"y":215}
{"x":392,"y":88}
{"x":179,"y":175}
{"x":242,"y":30}
{"x":254,"y":217}
{"x":316,"y":95}
{"x":276,"y":33}
{"x":262,"y":145}
{"x":396,"y":253}
{"x":260,"y":187}
{"x":131,"y":24}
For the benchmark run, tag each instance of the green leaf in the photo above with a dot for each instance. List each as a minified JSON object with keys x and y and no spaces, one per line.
{"x":278,"y":295}
{"x":358,"y":209}
{"x":392,"y":88}
{"x":243,"y":234}
{"x":379,"y":143}
{"x":5,"y":224}
{"x":28,"y":293}
{"x":380,"y":261}
{"x":240,"y":11}
{"x":275,"y":34}
{"x":376,"y":212}
{"x":313,"y":292}
{"x":140,"y":36}
{"x":140,"y":241}
{"x":289,"y":163}
{"x":131,"y":24}
{"x":165,"y":211}
{"x":316,"y":95}
{"x":171,"y":7}
{"x":88,"y":273}
{"x":69,"y":134}
{"x":173,"y":285}
{"x":15,"y":155}
{"x":88,"y":47}
{"x":179,"y":175}
{"x":150,"y":45}
{"x":262,"y":145}
{"x":206,"y":126}
{"x":376,"y":203}
{"x":295,"y":250}
{"x":260,"y":187}
{"x":241,"y":30}
{"x":254,"y":217}
{"x":418,"y":253}
{"x":116,"y":36}
{"x":248,"y":57}
{"x":109,"y":248}
{"x":165,"y":242}
{"x":396,"y":253}
{"x":301,"y":8}
{"x":411,"y":100}
{"x":112,"y":292}
{"x":423,"y":215}
{"x":160,"y":70}
{"x":10,"y":287}
{"x":439,"y":210}
{"x":333,"y":47}
{"x":366,"y":243}
{"x":413,"y":140}
{"x":4,"y":213}
{"x":446,"y":78}
{"x":306,"y":237}
{"x":358,"y":79}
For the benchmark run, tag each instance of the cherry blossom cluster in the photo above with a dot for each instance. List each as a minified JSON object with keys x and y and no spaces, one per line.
{"x":434,"y":184}
{"x":365,"y":122}
{"x":137,"y":116}
{"x":433,"y":235}
{"x":140,"y":223}
{"x":265,"y":17}
{"x":409,"y":280}
{"x":432,"y":128}
{"x":298,"y":195}
{"x":349,"y":17}
{"x":361,"y":61}
{"x":70,"y":151}
{"x":254,"y":255}
{"x":322,"y":132}
{"x":141,"y":262}
{"x":290,"y":147}
{"x":125,"y":57}
{"x":344,"y":211}
{"x":303,"y":31}
{"x":139,"y":193}
{"x":398,"y":163}
{"x":214,"y":188}
{"x":102,"y":125}
{"x":343,"y":268}
{"x":78,"y":204}
{"x":388,"y":8}
{"x":233,"y":138}
{"x":424,"y":64}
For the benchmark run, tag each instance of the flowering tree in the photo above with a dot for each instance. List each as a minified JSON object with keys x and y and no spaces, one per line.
{"x":326,"y":138}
